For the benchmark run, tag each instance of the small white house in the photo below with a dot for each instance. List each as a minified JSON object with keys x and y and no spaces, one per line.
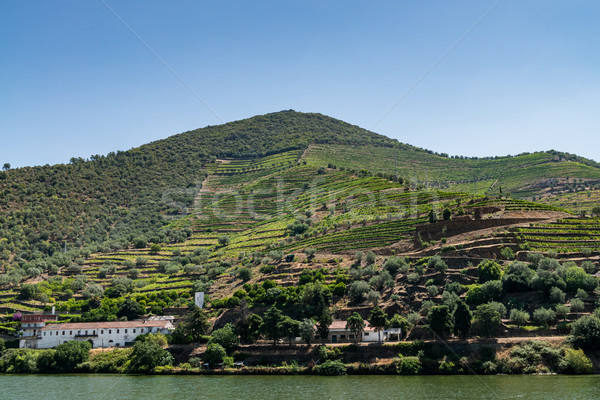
{"x":339,"y":334}
{"x":99,"y":334}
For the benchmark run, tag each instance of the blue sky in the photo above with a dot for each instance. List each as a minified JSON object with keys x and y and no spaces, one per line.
{"x":75,"y":81}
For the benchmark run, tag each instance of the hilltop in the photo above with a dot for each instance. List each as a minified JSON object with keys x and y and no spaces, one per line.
{"x":366,"y":220}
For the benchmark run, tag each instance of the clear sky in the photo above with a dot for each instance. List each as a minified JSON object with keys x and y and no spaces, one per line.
{"x":75,"y":80}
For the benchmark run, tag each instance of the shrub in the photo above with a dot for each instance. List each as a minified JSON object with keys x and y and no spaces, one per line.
{"x":576,"y":362}
{"x":437,"y":263}
{"x":331,"y":368}
{"x":408,"y":365}
{"x":507,"y":253}
{"x":395,"y":264}
{"x":245,"y":274}
{"x":339,"y":289}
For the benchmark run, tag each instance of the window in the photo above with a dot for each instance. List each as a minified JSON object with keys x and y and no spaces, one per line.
{"x":86,"y":333}
{"x":94,"y":333}
{"x":342,"y":336}
{"x":366,"y":333}
{"x":63,"y":333}
{"x":142,"y":330}
{"x":117,"y":331}
{"x":109,"y":331}
{"x":44,"y":333}
{"x":134,"y":330}
{"x":102,"y":331}
{"x":125,"y":330}
{"x":71,"y":333}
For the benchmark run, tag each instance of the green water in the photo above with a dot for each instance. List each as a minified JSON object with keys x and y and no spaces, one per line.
{"x":93,"y":387}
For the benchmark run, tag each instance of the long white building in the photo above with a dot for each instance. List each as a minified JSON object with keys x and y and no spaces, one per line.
{"x":99,"y":334}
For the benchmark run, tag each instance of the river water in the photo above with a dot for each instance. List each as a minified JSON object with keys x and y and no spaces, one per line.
{"x":124,"y":387}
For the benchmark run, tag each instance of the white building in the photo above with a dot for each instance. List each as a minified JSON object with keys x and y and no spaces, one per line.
{"x":99,"y":334}
{"x":339,"y":334}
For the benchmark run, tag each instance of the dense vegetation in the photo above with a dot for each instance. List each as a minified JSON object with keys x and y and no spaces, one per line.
{"x":290,"y":220}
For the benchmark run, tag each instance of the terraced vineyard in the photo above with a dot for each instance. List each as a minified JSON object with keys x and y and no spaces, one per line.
{"x":573,"y":235}
{"x":232,"y":216}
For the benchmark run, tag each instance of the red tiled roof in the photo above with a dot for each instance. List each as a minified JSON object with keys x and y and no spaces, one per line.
{"x":341,"y":325}
{"x":107,"y":325}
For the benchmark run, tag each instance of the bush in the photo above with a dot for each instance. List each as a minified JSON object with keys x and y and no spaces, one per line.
{"x":339,"y":289}
{"x":585,"y":332}
{"x":408,"y":365}
{"x":245,"y":274}
{"x":331,"y":368}
{"x":576,"y":362}
{"x":437,"y":263}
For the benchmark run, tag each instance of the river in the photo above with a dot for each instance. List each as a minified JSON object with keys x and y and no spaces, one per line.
{"x":127,"y":387}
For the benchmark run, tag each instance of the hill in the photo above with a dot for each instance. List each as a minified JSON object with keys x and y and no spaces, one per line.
{"x":218,"y":209}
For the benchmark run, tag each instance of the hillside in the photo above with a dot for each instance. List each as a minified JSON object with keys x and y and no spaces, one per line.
{"x":365,"y":217}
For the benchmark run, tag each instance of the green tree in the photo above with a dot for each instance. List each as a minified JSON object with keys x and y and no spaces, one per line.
{"x":196,"y":323}
{"x":70,"y":354}
{"x":290,"y":328}
{"x":487,"y":319}
{"x":148,"y":353}
{"x":355,"y":324}
{"x":577,"y":306}
{"x":130,"y":309}
{"x":307,"y":330}
{"x":249,"y":328}
{"x":224,"y":240}
{"x":323,"y":323}
{"x":489,"y":271}
{"x":358,"y":290}
{"x":244,"y":274}
{"x":519,"y":317}
{"x":462,"y":320}
{"x":6,"y":166}
{"x":378,"y":321}
{"x":585,"y":332}
{"x":226,"y":337}
{"x":214,"y":354}
{"x":439,"y":320}
{"x":271,"y":326}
